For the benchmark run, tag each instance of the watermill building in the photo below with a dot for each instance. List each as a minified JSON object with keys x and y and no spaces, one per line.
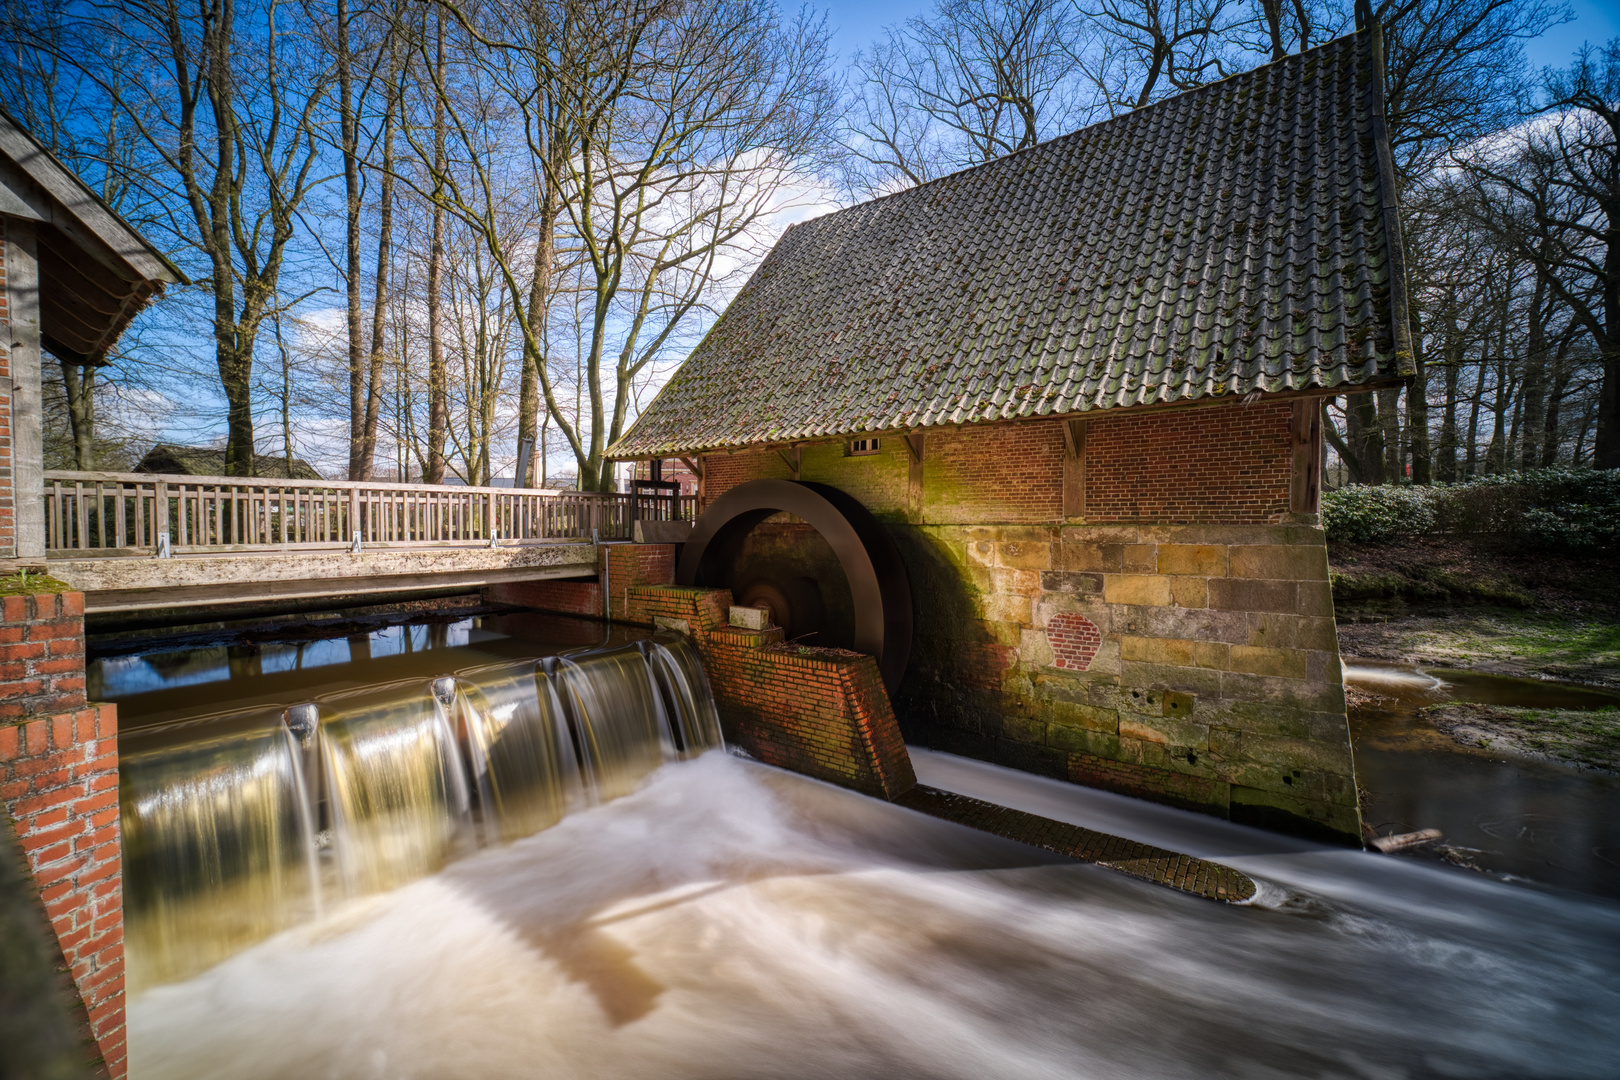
{"x":1081,"y":388}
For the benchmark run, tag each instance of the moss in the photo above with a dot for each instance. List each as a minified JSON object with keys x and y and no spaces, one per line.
{"x":1589,"y":738}
{"x":25,"y":583}
{"x":1506,"y":642}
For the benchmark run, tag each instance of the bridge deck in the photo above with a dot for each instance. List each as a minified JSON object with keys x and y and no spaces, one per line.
{"x":134,"y":542}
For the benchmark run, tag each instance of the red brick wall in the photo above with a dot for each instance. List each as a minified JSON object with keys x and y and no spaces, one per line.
{"x":8,"y":501}
{"x":820,"y":712}
{"x":722,"y":472}
{"x":1003,"y":473}
{"x":628,"y":565}
{"x":41,"y":654}
{"x":59,"y":782}
{"x":1223,"y":465}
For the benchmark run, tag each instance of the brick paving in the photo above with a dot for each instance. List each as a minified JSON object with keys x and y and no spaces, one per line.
{"x":1197,"y":876}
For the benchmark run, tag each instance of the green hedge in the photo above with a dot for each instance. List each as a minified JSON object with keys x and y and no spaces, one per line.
{"x":1576,"y":509}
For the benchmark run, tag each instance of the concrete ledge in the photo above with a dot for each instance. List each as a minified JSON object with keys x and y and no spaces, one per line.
{"x":194,"y":580}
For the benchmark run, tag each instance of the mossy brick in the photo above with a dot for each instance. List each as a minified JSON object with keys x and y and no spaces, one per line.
{"x":1137,"y":590}
{"x":1164,"y":730}
{"x":1198,"y":560}
{"x":1023,"y":729}
{"x":1286,"y":754}
{"x":1225,"y":743}
{"x":1069,"y":714}
{"x":1243,"y":594}
{"x":1079,"y":740}
{"x":1205,"y":682}
{"x":1294,"y":562}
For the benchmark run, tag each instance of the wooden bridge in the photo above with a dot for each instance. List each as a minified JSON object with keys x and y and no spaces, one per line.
{"x":136,"y":541}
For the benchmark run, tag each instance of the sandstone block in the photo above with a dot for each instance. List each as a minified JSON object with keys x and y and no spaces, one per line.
{"x":1023,"y":555}
{"x":1077,"y":740}
{"x":981,"y":552}
{"x":1194,"y":624}
{"x":1016,"y":582}
{"x":750,"y":618}
{"x":1164,"y":730}
{"x":1190,"y":592}
{"x":1258,"y":660}
{"x":1202,"y":560}
{"x":1072,"y":583}
{"x":1142,"y":590}
{"x":1315,"y":599}
{"x":1139,"y":559}
{"x":1279,"y":631}
{"x":1244,"y":594}
{"x":1286,"y":562}
{"x":1296,"y":694}
{"x":1290,"y":754}
{"x":999,"y":607}
{"x":1066,"y":714}
{"x":1159,"y":650}
{"x":1204,"y":682}
{"x":1100,"y":558}
{"x":1225,"y":743}
{"x":1023,"y":729}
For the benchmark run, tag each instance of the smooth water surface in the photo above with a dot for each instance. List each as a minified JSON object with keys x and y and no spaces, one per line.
{"x":1509,"y":814}
{"x":729,"y":920}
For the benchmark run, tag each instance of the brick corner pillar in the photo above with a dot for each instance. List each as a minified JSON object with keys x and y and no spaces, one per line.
{"x":59,"y":783}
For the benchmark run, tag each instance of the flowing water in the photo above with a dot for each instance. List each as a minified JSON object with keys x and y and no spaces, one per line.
{"x":732,"y":921}
{"x":1513,"y":815}
{"x":239,"y":824}
{"x":721,"y":919}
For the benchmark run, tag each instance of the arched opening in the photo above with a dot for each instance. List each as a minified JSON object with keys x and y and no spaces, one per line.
{"x":879,"y":592}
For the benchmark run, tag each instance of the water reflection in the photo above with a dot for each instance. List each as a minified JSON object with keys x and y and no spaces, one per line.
{"x":1535,"y":819}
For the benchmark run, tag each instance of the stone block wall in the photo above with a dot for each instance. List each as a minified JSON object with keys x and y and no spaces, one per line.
{"x":59,"y":783}
{"x":1139,"y":605}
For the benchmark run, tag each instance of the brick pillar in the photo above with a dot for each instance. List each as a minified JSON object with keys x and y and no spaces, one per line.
{"x":59,"y":782}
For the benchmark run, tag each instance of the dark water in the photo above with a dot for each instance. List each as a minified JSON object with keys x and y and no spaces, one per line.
{"x":163,"y":682}
{"x":1511,"y":815}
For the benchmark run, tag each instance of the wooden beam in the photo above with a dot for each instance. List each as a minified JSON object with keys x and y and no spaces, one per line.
{"x":1305,"y":440}
{"x":1074,"y":468}
{"x":27,"y":411}
{"x":914,"y":482}
{"x":914,"y":443}
{"x":695,"y":466}
{"x":795,"y":461}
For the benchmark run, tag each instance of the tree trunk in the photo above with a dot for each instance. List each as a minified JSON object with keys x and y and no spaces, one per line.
{"x":1417,"y":414}
{"x":1534,"y":395}
{"x":349,"y":139}
{"x":438,"y":383}
{"x":1365,"y":438}
{"x":1389,"y":420}
{"x":80,"y":384}
{"x":379,"y":310}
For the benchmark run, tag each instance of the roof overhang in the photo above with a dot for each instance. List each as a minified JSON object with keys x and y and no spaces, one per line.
{"x":95,"y":271}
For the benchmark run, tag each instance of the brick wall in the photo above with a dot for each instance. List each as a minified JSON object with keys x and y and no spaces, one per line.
{"x":59,"y":782}
{"x":41,"y":654}
{"x":8,"y":501}
{"x":722,"y":472}
{"x":820,"y":712}
{"x":1227,"y":465}
{"x":1010,"y":473}
{"x":628,"y":565}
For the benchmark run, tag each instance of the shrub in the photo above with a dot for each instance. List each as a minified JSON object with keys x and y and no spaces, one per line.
{"x":1577,"y":509}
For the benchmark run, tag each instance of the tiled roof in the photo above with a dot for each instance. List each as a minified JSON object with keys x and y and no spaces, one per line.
{"x":175,"y":460}
{"x":1229,"y":240}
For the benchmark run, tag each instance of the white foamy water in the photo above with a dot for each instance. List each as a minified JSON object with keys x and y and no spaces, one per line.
{"x":728,"y":920}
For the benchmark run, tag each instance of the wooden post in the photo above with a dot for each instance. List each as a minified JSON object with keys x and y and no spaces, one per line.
{"x":27,"y":424}
{"x":918,"y":446}
{"x":1074,"y":468}
{"x":1305,"y":439}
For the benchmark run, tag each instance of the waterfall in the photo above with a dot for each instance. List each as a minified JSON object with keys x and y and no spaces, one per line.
{"x":236,"y":825}
{"x":218,"y":841}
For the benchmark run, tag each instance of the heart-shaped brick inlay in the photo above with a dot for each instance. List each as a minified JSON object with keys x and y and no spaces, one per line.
{"x":1074,"y":640}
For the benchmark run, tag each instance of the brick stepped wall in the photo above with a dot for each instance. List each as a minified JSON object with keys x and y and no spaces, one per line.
{"x":59,"y":783}
{"x":820,"y":712}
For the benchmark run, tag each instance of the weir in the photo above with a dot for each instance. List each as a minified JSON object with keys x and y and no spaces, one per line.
{"x":241,"y":824}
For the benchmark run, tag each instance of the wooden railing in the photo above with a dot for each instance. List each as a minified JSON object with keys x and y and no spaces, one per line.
{"x":149,"y":514}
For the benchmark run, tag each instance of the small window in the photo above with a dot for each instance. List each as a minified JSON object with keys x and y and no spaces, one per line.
{"x":862,"y":446}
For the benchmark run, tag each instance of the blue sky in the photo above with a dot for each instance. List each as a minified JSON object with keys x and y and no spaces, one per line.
{"x":856,"y":23}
